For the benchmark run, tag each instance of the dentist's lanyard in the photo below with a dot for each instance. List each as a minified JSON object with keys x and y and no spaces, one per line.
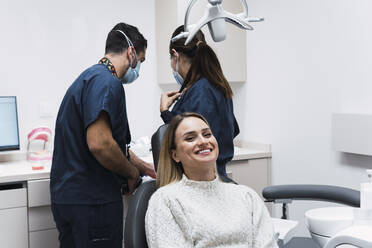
{"x":109,"y":65}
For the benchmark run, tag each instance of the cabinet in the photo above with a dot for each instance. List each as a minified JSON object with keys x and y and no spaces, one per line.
{"x":13,"y":216}
{"x":231,"y":52}
{"x":41,"y":226}
{"x":254,"y":173}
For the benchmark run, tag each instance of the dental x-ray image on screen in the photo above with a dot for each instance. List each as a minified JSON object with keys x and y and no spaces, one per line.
{"x":9,"y":137}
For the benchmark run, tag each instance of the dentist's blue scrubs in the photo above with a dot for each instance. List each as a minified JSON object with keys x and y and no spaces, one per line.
{"x":86,"y":197}
{"x":205,"y":99}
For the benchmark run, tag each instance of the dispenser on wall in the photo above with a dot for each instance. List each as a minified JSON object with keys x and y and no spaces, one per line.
{"x":352,"y":133}
{"x":363,"y":215}
{"x":366,"y":193}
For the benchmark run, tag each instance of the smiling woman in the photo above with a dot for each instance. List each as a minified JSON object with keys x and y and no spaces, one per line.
{"x":193,"y":150}
{"x":192,"y":207}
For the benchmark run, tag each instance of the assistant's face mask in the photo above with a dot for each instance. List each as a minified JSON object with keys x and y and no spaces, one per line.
{"x":176,"y":75}
{"x":132,"y":73}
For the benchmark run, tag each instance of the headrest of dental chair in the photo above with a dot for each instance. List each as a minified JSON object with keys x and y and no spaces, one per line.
{"x":134,"y":230}
{"x":313,"y":192}
{"x":156,"y":141}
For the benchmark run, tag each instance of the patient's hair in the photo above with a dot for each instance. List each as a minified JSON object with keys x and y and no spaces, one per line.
{"x":117,"y":43}
{"x":169,"y":171}
{"x":203,"y":60}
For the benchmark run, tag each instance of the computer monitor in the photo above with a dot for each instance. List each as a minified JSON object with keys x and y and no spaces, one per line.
{"x":9,"y":136}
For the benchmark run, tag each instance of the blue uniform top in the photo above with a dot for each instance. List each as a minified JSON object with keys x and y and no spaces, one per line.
{"x":76,"y":176}
{"x":205,"y":99}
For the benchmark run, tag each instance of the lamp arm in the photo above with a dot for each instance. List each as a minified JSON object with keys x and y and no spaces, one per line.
{"x":204,"y":20}
{"x":191,"y":4}
{"x":213,"y":12}
{"x":243,"y":23}
{"x":245,"y":8}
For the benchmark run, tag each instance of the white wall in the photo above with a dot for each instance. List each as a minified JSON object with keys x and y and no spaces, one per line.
{"x":309,"y":59}
{"x":45,"y":45}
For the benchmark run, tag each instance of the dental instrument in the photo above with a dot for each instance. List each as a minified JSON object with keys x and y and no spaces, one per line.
{"x":216,"y":17}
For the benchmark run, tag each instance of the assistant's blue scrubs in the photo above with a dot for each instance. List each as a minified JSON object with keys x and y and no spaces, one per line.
{"x":205,"y":99}
{"x":83,"y":192}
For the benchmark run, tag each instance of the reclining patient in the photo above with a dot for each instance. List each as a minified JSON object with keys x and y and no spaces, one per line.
{"x":192,"y":207}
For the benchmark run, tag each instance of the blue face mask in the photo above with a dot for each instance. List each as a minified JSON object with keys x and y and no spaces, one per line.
{"x":177,"y":76}
{"x":131,"y":75}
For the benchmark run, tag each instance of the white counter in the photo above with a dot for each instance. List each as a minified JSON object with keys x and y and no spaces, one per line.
{"x":248,"y":153}
{"x":19,"y":169}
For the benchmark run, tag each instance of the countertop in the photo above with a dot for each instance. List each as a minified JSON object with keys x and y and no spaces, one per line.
{"x":14,"y":167}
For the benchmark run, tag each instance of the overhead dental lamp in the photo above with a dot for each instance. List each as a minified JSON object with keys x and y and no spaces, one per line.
{"x":216,"y":17}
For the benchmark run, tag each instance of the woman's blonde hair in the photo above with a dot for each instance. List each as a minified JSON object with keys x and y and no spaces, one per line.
{"x":169,"y":171}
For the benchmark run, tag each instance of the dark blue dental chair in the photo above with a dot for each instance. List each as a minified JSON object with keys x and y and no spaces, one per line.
{"x":134,"y":231}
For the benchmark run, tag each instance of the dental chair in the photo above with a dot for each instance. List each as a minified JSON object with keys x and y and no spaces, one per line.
{"x":134,"y":230}
{"x":320,"y":221}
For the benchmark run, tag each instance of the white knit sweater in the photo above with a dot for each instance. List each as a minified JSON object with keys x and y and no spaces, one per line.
{"x":208,"y":214}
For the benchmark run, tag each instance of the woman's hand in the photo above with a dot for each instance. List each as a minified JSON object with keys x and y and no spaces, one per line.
{"x":167,"y":99}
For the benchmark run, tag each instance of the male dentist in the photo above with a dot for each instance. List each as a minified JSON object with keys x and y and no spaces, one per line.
{"x":91,"y":147}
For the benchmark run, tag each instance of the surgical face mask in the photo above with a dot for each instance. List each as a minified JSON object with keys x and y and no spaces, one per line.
{"x":176,"y":75}
{"x":132,"y":73}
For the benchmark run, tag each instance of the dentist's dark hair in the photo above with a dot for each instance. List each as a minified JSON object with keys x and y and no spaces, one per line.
{"x":203,"y":60}
{"x":117,"y":43}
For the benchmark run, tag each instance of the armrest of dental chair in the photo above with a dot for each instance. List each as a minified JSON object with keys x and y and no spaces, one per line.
{"x":134,"y":231}
{"x":286,"y":193}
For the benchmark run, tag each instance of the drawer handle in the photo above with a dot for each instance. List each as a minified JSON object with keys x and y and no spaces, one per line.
{"x":11,"y":186}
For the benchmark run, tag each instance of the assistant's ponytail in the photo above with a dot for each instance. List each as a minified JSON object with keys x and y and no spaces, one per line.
{"x":206,"y":64}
